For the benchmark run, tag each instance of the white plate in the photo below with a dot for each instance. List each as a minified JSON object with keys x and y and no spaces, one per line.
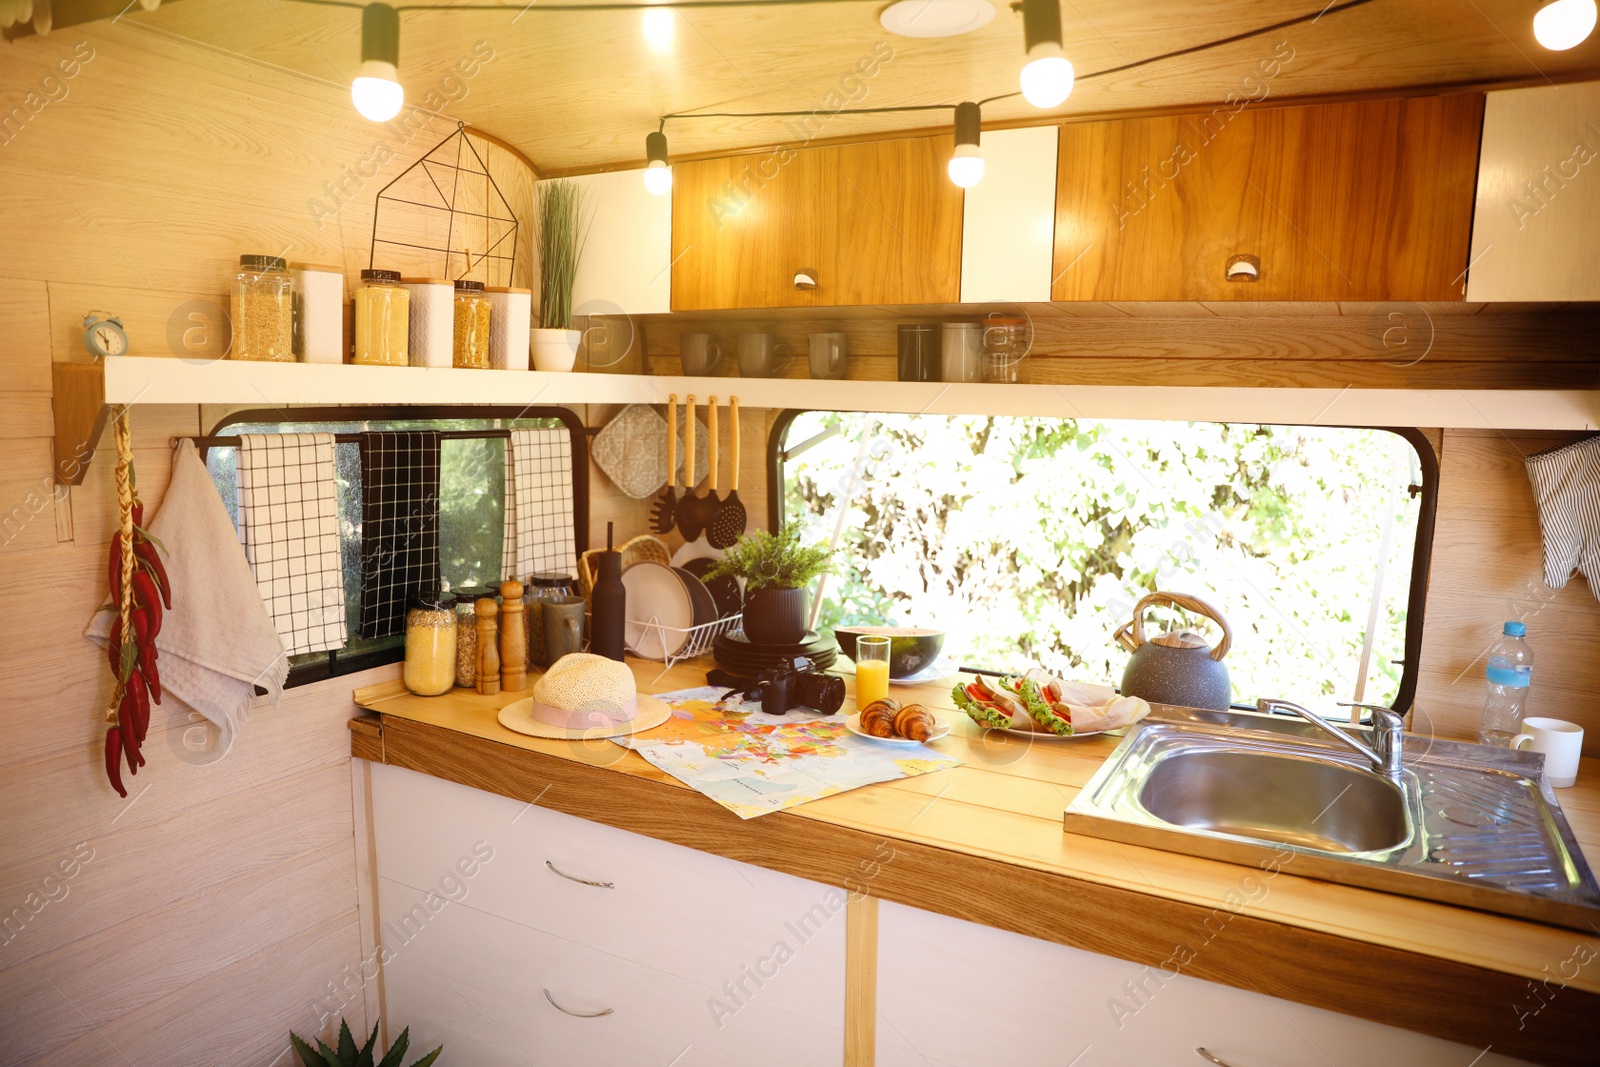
{"x":656,"y":592}
{"x":699,"y":548}
{"x":944,"y":669}
{"x":853,"y":724}
{"x":1046,"y":735}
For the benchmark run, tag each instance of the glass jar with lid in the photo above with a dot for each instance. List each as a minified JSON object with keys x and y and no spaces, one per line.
{"x":548,"y":585}
{"x":430,"y":667}
{"x":472,"y":326}
{"x":467,"y":633}
{"x":382,"y":319}
{"x":1006,"y":339}
{"x":262,"y":306}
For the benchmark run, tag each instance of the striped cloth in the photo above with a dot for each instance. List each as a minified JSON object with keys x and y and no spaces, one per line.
{"x":539,"y":534}
{"x":1566,"y":486}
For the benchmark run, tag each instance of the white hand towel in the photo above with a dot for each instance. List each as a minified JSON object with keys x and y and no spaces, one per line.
{"x":539,"y":534}
{"x":289,"y":522}
{"x":1566,"y":486}
{"x":218,"y":642}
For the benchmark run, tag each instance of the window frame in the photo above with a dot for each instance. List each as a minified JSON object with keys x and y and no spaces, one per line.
{"x":335,"y":664}
{"x":1421,"y":556}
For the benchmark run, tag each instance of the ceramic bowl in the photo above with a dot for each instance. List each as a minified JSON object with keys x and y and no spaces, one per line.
{"x":910,"y":649}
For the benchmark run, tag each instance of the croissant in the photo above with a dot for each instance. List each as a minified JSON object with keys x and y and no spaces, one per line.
{"x":915,"y":722}
{"x":878,"y":717}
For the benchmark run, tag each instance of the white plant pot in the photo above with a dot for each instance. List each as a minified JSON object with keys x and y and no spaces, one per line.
{"x":554,"y":350}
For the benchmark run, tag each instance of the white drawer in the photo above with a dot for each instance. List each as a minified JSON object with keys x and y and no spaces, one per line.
{"x":708,"y":919}
{"x":1026,"y":1002}
{"x":475,"y":982}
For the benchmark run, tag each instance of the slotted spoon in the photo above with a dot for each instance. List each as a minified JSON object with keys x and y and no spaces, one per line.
{"x":661,"y":519}
{"x":728,"y":524}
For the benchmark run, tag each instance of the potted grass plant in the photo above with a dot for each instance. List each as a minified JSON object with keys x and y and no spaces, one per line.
{"x":563,"y":230}
{"x":777,"y":573}
{"x":347,"y":1055}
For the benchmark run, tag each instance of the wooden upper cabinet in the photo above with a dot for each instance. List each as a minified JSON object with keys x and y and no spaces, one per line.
{"x":1358,"y":201}
{"x":879,"y":222}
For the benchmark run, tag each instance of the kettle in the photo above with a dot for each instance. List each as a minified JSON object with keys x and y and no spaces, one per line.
{"x":1176,"y":667}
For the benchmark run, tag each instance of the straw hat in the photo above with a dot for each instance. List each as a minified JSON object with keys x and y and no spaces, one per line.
{"x":583,"y":696}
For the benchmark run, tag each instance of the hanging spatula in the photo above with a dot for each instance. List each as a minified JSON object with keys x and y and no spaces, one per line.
{"x":728,"y":524}
{"x":661,"y":519}
{"x":690,"y":513}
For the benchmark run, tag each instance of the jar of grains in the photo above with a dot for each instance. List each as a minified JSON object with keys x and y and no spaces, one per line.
{"x":430,"y":645}
{"x":467,"y":633}
{"x":262,"y":307}
{"x":383,"y":319}
{"x":472,"y":326}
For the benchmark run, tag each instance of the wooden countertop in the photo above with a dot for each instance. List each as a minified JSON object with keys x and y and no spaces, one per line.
{"x":984,"y":842}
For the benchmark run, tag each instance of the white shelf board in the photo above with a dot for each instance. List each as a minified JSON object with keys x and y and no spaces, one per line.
{"x":161,"y":380}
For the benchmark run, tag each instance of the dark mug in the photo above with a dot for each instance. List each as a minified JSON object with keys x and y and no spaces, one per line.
{"x":563,"y":626}
{"x":919,"y":353}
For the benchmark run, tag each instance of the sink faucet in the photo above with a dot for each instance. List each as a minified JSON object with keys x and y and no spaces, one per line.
{"x":1388,"y":732}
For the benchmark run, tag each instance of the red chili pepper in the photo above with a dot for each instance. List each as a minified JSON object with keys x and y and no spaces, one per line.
{"x":141,"y":707}
{"x":152,"y":678}
{"x":145,"y":595}
{"x":114,"y":646}
{"x":130,"y":733}
{"x":146,"y":552}
{"x":138,"y":513}
{"x":114,"y":759}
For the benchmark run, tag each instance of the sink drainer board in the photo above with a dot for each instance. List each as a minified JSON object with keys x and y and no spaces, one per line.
{"x":1464,"y":825}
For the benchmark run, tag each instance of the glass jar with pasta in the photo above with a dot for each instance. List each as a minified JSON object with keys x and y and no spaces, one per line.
{"x":430,"y":667}
{"x":472,"y":326}
{"x":382,"y":319}
{"x":262,"y":306}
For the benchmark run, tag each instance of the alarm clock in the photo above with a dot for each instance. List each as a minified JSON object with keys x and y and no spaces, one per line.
{"x":104,"y":337}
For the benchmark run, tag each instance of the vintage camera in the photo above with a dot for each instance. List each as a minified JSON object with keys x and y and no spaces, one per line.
{"x":795,"y":684}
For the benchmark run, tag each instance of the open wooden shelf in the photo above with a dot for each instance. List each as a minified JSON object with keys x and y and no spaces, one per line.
{"x":155,"y":380}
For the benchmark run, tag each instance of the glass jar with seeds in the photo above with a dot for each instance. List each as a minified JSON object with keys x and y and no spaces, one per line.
{"x":467,"y":633}
{"x":262,"y":307}
{"x":472,"y":326}
{"x":430,"y":667}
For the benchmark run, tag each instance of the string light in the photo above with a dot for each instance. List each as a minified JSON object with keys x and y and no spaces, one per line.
{"x":966,"y":165}
{"x":657,"y":173}
{"x":376,"y":92}
{"x":1564,"y":24}
{"x":1047,"y":77}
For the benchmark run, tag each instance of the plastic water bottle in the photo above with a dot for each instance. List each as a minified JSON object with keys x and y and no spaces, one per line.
{"x":1510,"y":674}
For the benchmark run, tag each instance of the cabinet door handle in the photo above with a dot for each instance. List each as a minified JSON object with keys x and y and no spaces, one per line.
{"x":1205,"y":1055}
{"x":575,"y":1014}
{"x":581,"y":881}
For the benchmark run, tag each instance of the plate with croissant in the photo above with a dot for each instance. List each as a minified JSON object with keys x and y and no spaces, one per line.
{"x":890,"y":720}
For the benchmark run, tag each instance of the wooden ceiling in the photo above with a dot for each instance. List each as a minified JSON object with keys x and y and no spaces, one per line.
{"x":577,"y":91}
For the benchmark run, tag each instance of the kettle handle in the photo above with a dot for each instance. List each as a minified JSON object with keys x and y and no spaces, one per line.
{"x":1188,"y":603}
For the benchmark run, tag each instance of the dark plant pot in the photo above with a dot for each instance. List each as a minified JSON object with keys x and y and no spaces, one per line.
{"x":776,"y":616}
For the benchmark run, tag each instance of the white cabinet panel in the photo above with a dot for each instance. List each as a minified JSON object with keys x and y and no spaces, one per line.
{"x":476,"y":983}
{"x":1008,"y":219}
{"x":707,"y":919}
{"x":625,"y":262}
{"x":1536,"y":226}
{"x":1024,"y":1002}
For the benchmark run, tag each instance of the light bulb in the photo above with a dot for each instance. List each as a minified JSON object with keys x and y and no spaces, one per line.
{"x":966,"y":166}
{"x":377,"y":93}
{"x":1564,"y":24}
{"x":660,"y":28}
{"x":1047,"y":79}
{"x":658,"y":177}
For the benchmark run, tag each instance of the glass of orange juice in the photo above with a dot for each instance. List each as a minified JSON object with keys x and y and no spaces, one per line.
{"x":872,"y":669}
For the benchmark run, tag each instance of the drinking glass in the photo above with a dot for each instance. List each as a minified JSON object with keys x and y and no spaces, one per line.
{"x":872,"y":669}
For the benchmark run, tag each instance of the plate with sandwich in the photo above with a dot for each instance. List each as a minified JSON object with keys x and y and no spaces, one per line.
{"x":1038,"y":704}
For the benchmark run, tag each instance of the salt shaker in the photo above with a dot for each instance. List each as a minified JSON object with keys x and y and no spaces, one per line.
{"x":513,"y":639}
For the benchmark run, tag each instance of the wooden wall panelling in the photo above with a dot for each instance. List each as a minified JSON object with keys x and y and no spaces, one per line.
{"x":1359,"y":201}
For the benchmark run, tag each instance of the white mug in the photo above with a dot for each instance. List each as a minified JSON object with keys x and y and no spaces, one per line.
{"x":1559,"y":740}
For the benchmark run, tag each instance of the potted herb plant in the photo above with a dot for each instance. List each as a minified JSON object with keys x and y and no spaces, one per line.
{"x":777,"y":575}
{"x":347,"y":1055}
{"x":563,"y":230}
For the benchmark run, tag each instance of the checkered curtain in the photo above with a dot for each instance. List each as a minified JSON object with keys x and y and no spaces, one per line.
{"x":289,"y":524}
{"x":399,"y":525}
{"x":539,"y":535}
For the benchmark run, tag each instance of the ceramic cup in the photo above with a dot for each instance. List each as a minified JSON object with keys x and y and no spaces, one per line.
{"x":961,"y":352}
{"x":918,"y":352}
{"x":699,"y":353}
{"x":563,"y":626}
{"x":1559,"y":740}
{"x":828,"y":354}
{"x":762,"y":355}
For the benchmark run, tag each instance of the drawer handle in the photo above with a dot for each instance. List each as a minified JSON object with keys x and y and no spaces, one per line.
{"x":576,"y":1014}
{"x":580,"y":881}
{"x":1203,"y":1054}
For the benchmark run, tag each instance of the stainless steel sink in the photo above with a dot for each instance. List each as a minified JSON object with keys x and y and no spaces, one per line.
{"x":1462,"y":824}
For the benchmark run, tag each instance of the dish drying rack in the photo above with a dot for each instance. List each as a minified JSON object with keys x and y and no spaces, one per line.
{"x":697,"y":640}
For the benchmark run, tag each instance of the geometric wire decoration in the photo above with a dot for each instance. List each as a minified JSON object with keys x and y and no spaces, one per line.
{"x":442,"y":215}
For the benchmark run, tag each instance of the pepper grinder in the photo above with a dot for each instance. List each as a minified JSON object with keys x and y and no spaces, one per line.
{"x":610,"y":604}
{"x":488,"y":654}
{"x":513,"y":639}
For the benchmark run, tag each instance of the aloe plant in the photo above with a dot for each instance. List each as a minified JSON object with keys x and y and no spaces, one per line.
{"x":349,"y":1056}
{"x":563,"y":231}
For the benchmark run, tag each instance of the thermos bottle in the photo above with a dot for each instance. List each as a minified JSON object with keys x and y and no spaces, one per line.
{"x":610,"y":603}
